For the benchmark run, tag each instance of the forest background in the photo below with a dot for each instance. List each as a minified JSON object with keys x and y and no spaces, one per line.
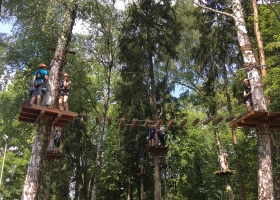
{"x":192,"y":48}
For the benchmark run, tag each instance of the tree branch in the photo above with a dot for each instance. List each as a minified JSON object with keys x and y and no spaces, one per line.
{"x":213,"y":10}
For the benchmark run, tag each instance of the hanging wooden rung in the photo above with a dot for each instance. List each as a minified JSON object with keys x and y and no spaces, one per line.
{"x":218,"y":120}
{"x":230,"y":118}
{"x":134,"y":122}
{"x":147,"y":122}
{"x":109,"y":121}
{"x":207,"y":121}
{"x":170,"y":123}
{"x":195,"y":121}
{"x":97,"y":119}
{"x":159,"y":122}
{"x":84,"y":115}
{"x":183,"y":123}
{"x":122,"y":121}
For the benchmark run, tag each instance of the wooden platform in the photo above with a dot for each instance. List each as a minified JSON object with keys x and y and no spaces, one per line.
{"x":157,"y":149}
{"x":51,"y":155}
{"x":31,"y":113}
{"x":254,"y":118}
{"x":221,"y":173}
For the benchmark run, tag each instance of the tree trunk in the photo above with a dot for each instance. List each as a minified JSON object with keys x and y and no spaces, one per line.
{"x":165,"y":189}
{"x":33,"y":177}
{"x":48,"y":182}
{"x":265,"y":178}
{"x":220,"y":154}
{"x":259,"y":38}
{"x":265,"y":181}
{"x":59,"y":59}
{"x":101,"y":132}
{"x":234,"y":138}
{"x":32,"y":183}
{"x":228,"y":188}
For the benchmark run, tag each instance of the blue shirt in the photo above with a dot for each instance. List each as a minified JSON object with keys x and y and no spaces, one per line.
{"x":41,"y":76}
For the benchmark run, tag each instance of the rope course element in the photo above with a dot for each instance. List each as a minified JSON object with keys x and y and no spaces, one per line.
{"x":172,"y":122}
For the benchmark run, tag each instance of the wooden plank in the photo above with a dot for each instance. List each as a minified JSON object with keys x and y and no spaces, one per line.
{"x":25,"y":120}
{"x":195,"y":122}
{"x":122,"y":121}
{"x":207,"y":121}
{"x":183,"y":123}
{"x":84,"y":115}
{"x":217,"y":121}
{"x":27,"y":116}
{"x":56,"y":119}
{"x":39,"y":117}
{"x":159,"y":122}
{"x":50,"y":110}
{"x":30,"y":112}
{"x":170,"y":123}
{"x":97,"y":119}
{"x":230,"y":118}
{"x":134,"y":122}
{"x":147,"y":122}
{"x":109,"y":121}
{"x":249,"y":121}
{"x":57,"y":124}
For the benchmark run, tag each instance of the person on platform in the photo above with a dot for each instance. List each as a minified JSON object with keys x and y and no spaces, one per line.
{"x":57,"y":137}
{"x":248,"y":95}
{"x":64,"y":92}
{"x":40,"y":77}
{"x":161,"y":136}
{"x":152,"y":134}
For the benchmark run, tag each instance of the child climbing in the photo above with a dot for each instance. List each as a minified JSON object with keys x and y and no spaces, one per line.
{"x":57,"y":137}
{"x":248,"y":95}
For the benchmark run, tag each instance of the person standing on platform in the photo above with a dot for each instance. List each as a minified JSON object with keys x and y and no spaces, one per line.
{"x":39,"y":79}
{"x":248,"y":95}
{"x":64,"y":92}
{"x":57,"y":137}
{"x":152,"y":133}
{"x":161,"y":136}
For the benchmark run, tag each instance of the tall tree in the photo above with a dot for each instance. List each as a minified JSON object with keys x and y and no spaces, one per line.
{"x":264,"y":141}
{"x":32,"y":182}
{"x":152,"y":30}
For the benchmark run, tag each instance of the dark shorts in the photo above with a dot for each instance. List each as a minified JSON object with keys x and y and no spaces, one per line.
{"x":64,"y":93}
{"x":152,"y":136}
{"x":37,"y":91}
{"x":56,"y":142}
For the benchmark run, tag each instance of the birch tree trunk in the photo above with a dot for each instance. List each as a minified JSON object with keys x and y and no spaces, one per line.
{"x":59,"y":59}
{"x":265,"y":181}
{"x":226,"y":176}
{"x":32,"y":183}
{"x":234,"y":138}
{"x":259,"y":38}
{"x":48,"y":183}
{"x":101,"y":131}
{"x":33,"y":177}
{"x":259,"y":104}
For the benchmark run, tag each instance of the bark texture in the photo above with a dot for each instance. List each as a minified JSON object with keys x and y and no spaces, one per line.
{"x":32,"y":181}
{"x":265,"y":178}
{"x":59,"y":59}
{"x":265,"y":181}
{"x":259,"y":38}
{"x":33,"y":178}
{"x":101,"y":132}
